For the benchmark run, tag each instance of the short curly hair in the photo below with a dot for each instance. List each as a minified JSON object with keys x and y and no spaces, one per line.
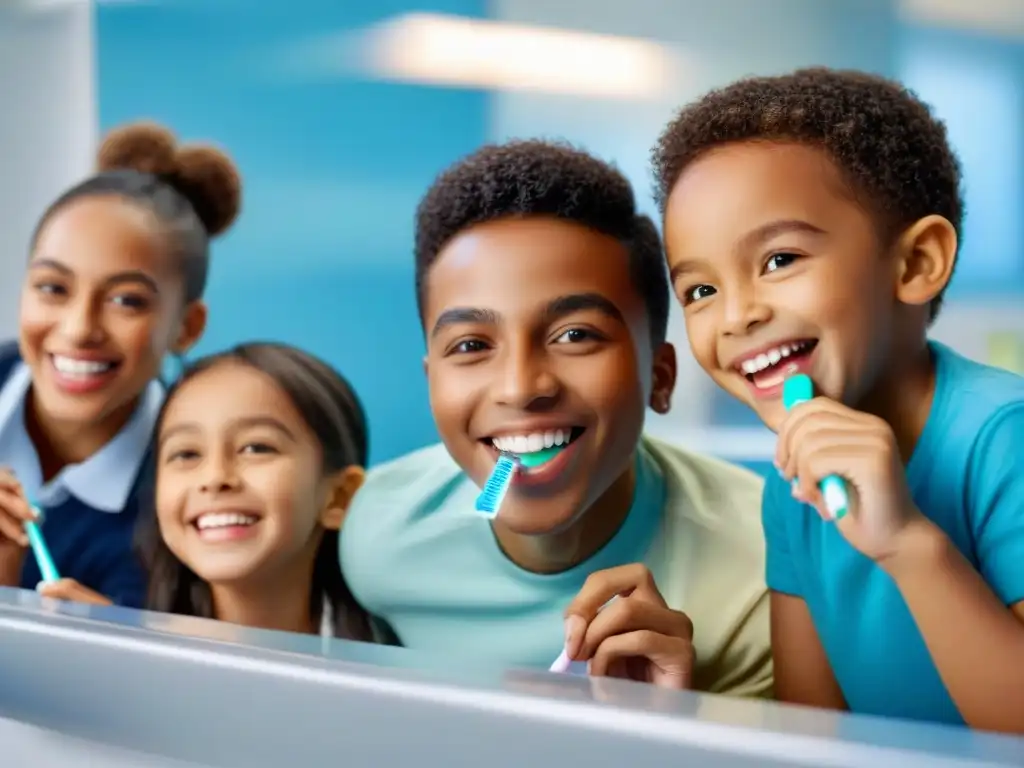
{"x":891,"y":150}
{"x":540,"y":178}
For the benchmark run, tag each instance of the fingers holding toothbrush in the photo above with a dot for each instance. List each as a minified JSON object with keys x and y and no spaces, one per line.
{"x":821,"y":438}
{"x":620,"y":624}
{"x":71,"y":591}
{"x":15,"y":510}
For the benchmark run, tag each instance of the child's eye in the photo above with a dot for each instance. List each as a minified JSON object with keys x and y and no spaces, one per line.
{"x":698,"y":292}
{"x":779,"y":260}
{"x":468,"y":347}
{"x":575,"y":336}
{"x":257,"y":447}
{"x":131,"y":300}
{"x":185,"y":454}
{"x":51,"y":289}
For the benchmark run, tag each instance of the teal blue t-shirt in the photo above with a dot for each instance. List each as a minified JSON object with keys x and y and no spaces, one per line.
{"x":967,"y":475}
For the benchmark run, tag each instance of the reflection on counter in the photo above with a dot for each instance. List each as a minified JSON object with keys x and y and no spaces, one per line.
{"x":79,"y":684}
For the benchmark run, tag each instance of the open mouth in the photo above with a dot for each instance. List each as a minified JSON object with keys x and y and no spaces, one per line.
{"x":536,"y":448}
{"x":219,"y":521}
{"x":82,"y":370}
{"x":769,"y":368}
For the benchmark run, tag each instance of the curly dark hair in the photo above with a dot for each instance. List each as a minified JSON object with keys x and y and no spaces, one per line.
{"x":540,"y":178}
{"x":891,"y":150}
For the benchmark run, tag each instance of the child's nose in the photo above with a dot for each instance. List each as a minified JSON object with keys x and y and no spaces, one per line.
{"x":526,"y":381}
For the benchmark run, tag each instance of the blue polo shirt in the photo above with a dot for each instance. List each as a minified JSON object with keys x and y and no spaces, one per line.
{"x":90,"y":509}
{"x":967,"y":475}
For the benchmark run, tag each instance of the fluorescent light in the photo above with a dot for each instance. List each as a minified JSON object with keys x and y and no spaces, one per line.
{"x":998,"y":17}
{"x":455,"y":51}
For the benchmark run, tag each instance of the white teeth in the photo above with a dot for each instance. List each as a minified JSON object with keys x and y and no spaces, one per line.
{"x":69,"y":366}
{"x":536,"y":441}
{"x":224,"y":520}
{"x":772,"y":357}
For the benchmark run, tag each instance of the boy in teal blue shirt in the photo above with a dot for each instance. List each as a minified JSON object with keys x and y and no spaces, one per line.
{"x":812,"y":224}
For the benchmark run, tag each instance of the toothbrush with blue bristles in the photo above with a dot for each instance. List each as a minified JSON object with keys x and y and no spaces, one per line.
{"x":800,"y":389}
{"x":489,"y":501}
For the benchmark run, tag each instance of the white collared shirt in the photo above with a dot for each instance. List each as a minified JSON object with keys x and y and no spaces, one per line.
{"x":104,"y":481}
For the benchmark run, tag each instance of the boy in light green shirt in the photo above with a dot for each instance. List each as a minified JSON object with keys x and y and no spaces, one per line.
{"x":544,"y":300}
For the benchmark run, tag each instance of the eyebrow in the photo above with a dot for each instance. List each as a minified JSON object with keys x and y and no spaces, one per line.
{"x":463,"y":315}
{"x":582,"y":302}
{"x":129,"y":276}
{"x":756,"y":236}
{"x":556,"y":309}
{"x":245,"y":423}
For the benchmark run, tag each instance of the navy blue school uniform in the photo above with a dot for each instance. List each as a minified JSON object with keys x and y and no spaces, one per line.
{"x":89,"y":509}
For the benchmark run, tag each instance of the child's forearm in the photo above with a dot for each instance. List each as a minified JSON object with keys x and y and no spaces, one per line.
{"x":976,"y":642}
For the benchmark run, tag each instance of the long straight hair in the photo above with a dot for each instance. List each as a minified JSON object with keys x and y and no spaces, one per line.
{"x":331,"y":410}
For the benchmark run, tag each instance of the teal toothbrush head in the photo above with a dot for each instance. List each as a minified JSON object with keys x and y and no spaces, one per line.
{"x":489,"y":501}
{"x":799,"y":389}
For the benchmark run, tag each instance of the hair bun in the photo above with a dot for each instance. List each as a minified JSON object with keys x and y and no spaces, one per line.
{"x":202,"y":173}
{"x":208,"y":178}
{"x":144,"y":147}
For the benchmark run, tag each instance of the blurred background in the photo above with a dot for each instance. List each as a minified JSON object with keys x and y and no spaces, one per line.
{"x":340,"y":113}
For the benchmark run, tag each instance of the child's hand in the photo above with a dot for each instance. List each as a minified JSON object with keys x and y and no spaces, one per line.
{"x":14,"y":511}
{"x":72,"y":591}
{"x":637,"y":637}
{"x":821,"y":438}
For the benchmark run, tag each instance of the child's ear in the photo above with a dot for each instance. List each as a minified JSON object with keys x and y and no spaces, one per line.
{"x":342,"y":487}
{"x":926,"y":257}
{"x":193,"y":323}
{"x":663,"y":380}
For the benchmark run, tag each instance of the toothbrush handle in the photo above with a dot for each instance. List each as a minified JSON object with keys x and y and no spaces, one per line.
{"x":833,"y":491}
{"x":47,"y":567}
{"x":837,"y":501}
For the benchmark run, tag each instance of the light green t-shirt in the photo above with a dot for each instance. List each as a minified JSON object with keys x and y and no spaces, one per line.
{"x":417,"y":556}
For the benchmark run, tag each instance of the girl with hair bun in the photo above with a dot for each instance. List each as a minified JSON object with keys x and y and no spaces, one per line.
{"x":116,"y":273}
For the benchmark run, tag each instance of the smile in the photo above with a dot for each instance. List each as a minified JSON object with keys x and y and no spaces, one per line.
{"x":226,"y":526}
{"x":80,"y":376}
{"x":214,"y":520}
{"x":75,"y":368}
{"x":536,"y":448}
{"x":767,"y":369}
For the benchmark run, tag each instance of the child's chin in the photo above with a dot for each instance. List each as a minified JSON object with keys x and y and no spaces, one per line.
{"x":532,"y":517}
{"x":771,"y":414}
{"x":227,"y":575}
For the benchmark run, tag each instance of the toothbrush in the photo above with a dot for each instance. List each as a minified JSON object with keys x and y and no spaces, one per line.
{"x":564,"y":665}
{"x":799,"y":389}
{"x":47,"y":567}
{"x":489,"y":501}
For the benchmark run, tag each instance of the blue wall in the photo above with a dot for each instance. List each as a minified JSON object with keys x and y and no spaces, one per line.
{"x":322,"y":256}
{"x":974,"y":83}
{"x":333,"y":167}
